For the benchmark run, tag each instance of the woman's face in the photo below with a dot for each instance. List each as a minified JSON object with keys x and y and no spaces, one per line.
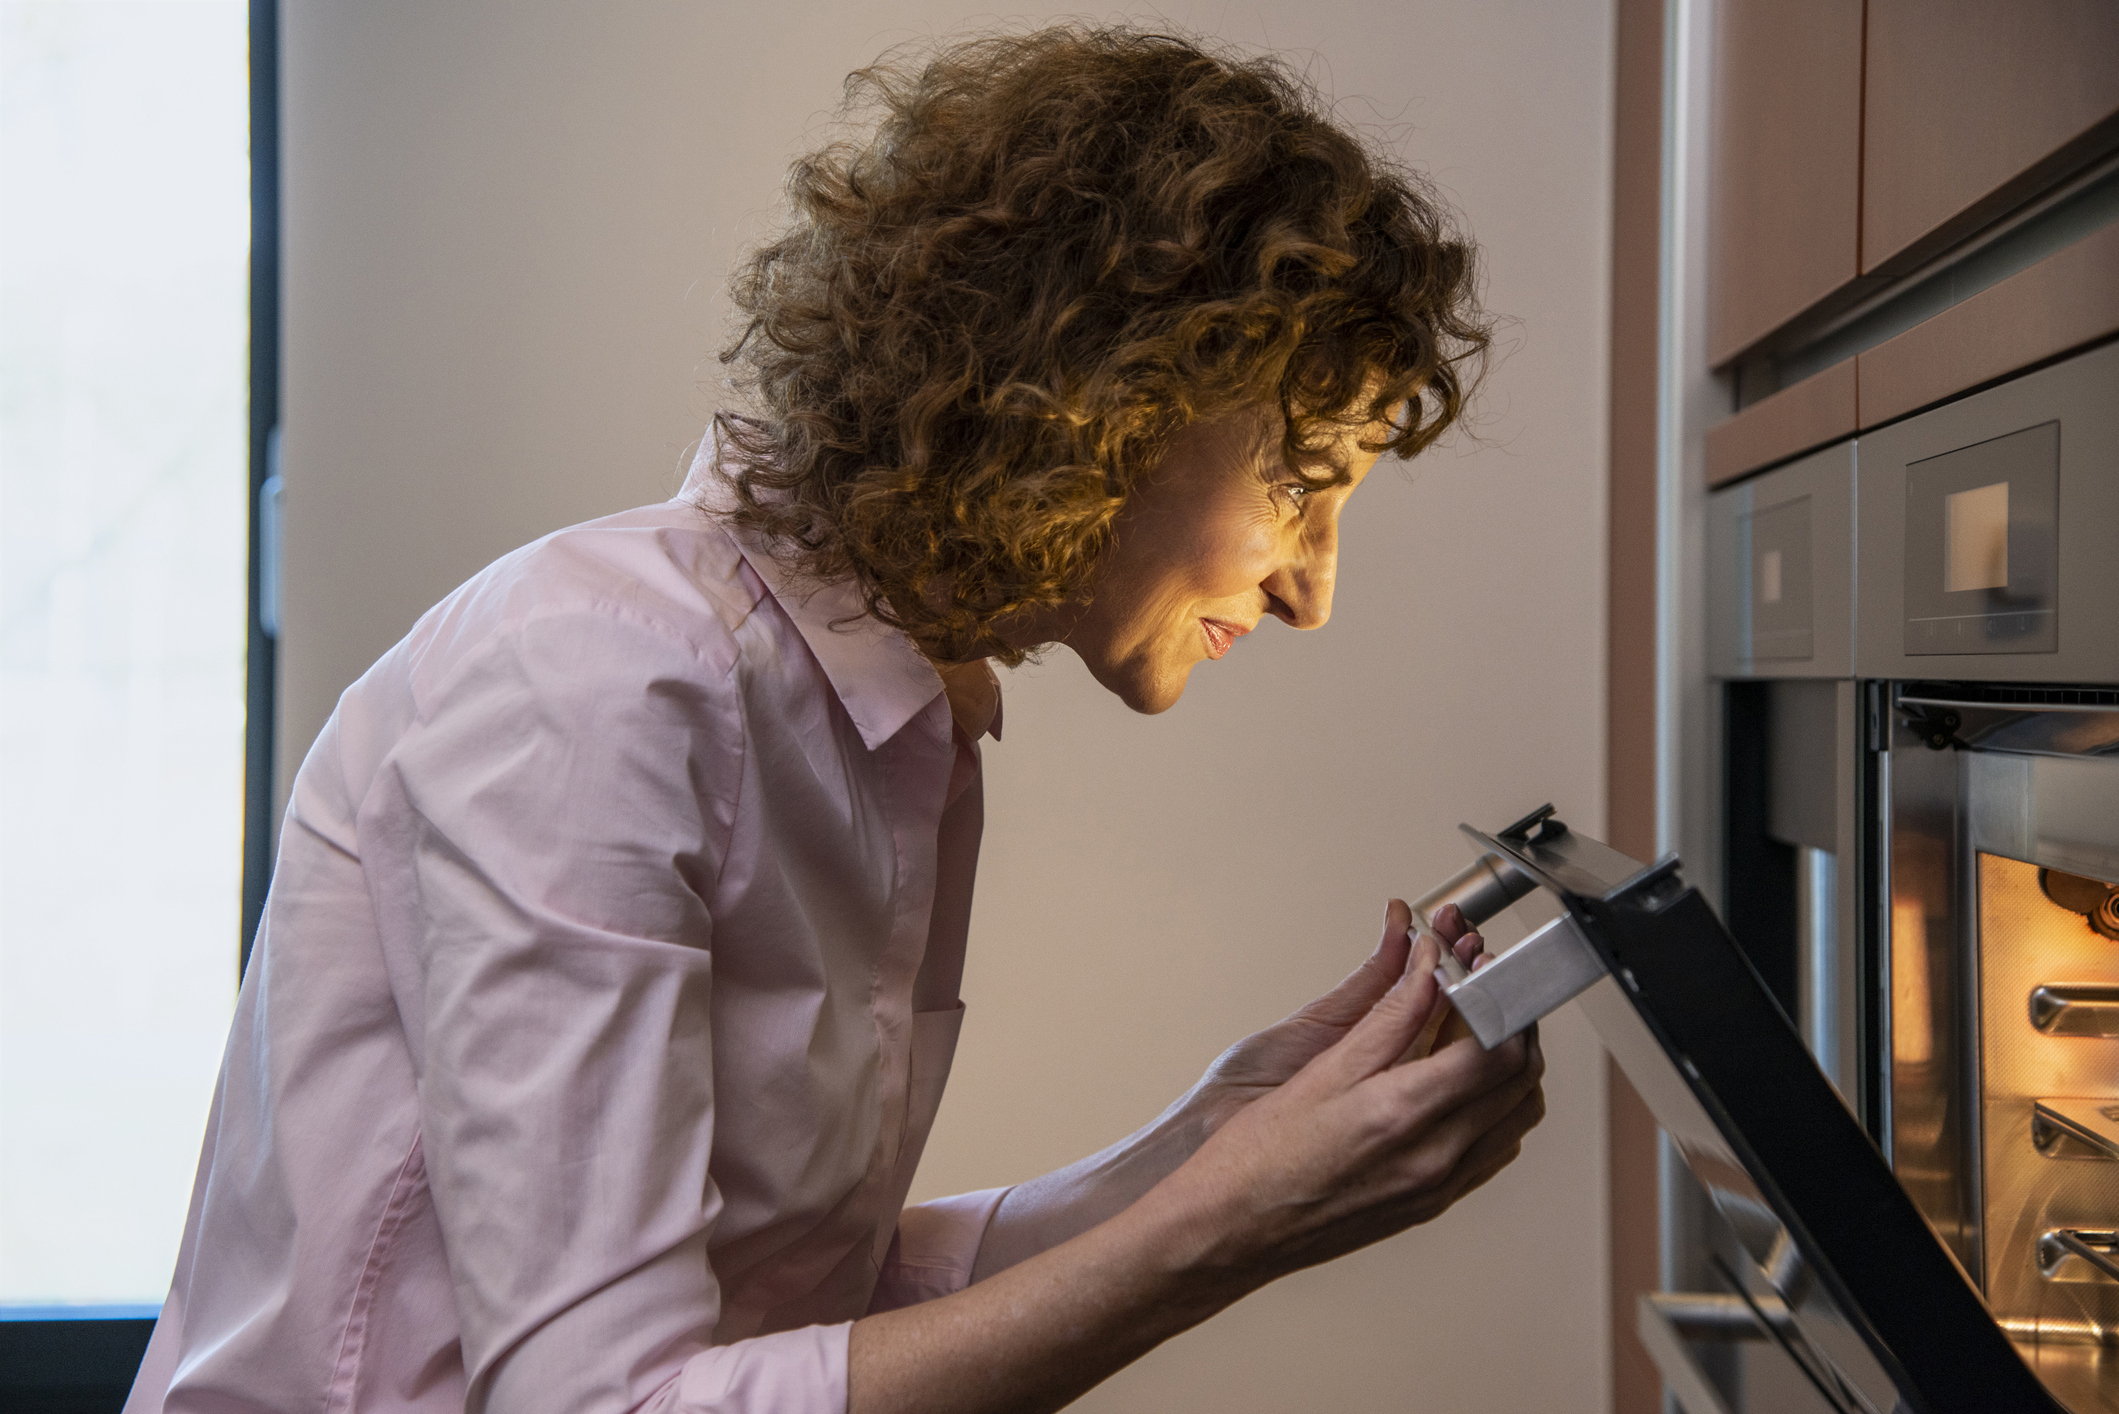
{"x":1220,"y":535}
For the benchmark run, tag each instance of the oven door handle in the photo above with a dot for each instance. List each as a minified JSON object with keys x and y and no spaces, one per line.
{"x":1537,"y":976}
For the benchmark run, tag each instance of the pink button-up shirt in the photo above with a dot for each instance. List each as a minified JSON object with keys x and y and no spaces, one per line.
{"x":605,"y":996}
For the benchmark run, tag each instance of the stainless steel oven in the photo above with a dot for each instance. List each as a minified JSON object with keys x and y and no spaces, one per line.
{"x":1888,"y":1061}
{"x":1916,"y":640}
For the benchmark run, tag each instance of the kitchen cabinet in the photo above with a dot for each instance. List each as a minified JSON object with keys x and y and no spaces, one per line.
{"x":1972,"y":106}
{"x":1784,"y":191}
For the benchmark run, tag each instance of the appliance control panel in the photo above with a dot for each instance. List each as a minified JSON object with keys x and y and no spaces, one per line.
{"x":1985,"y":533}
{"x":1982,"y":547}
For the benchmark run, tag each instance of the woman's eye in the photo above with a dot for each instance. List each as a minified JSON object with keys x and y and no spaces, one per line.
{"x":1295,"y":491}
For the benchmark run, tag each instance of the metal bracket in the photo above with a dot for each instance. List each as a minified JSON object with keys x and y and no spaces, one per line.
{"x":2078,"y":1254}
{"x":2061,"y":1009}
{"x":1936,"y":726}
{"x":1537,"y":976}
{"x":1538,"y":827}
{"x":2086,"y":1127}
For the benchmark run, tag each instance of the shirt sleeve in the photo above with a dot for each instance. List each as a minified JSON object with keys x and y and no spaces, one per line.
{"x":934,"y":1249}
{"x":541,"y":845}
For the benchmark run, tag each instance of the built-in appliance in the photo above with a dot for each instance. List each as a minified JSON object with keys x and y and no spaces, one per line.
{"x":1830,"y":1290}
{"x":1915,"y":638}
{"x":1893,"y":1077}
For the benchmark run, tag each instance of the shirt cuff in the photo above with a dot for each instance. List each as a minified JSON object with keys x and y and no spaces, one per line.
{"x":934,"y":1248}
{"x":801,"y":1371}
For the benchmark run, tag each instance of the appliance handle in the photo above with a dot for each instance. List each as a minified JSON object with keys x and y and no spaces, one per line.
{"x":1541,"y":974}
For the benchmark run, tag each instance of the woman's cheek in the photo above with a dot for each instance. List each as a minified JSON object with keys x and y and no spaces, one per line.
{"x":1247,"y":559}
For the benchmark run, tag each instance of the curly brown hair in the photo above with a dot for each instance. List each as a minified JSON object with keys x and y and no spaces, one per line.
{"x":1046,"y":254}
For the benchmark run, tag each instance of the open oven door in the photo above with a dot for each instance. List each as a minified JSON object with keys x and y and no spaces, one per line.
{"x":1830,"y":1269}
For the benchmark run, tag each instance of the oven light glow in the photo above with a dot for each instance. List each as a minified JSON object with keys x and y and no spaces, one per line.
{"x":1911,"y":999}
{"x":2047,"y":1060}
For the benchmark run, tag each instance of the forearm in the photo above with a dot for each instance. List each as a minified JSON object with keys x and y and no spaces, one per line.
{"x":1037,"y":1335}
{"x":1043,"y":1212}
{"x":1352,"y":1148}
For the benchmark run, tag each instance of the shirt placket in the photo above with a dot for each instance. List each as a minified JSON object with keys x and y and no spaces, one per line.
{"x":915,"y":769}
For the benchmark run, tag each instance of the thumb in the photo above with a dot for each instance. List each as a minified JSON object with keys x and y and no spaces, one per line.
{"x":1366,"y":985}
{"x":1381,"y":1037}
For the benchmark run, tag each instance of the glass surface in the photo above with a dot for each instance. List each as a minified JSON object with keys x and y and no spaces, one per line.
{"x":124,"y":238}
{"x":1975,"y":552}
{"x":1779,"y":610}
{"x":1982,"y":547}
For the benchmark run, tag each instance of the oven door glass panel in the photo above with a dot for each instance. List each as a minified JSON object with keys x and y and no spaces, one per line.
{"x":1931,"y":1121}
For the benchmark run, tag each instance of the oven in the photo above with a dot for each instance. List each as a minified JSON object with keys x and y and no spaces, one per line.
{"x":1914,"y":638}
{"x":1886,"y":1056}
{"x":1819,"y":1284}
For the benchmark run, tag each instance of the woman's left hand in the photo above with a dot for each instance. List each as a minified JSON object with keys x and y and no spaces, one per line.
{"x":1261,"y":1062}
{"x":1043,"y":1212}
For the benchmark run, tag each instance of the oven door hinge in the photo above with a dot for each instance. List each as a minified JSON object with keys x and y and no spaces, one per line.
{"x":1876,"y":717}
{"x":1936,"y":726}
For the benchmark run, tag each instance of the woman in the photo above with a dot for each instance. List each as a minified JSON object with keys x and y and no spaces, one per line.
{"x":609,"y":978}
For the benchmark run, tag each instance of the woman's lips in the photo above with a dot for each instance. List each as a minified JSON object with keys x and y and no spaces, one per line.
{"x":1221,"y":635}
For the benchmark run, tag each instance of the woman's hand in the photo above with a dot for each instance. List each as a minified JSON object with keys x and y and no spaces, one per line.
{"x":1323,"y":1141}
{"x":1355,"y":1145}
{"x":1268,"y":1059}
{"x":1046,"y":1211}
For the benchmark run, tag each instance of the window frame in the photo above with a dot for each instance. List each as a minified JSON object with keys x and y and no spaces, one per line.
{"x":83,"y":1361}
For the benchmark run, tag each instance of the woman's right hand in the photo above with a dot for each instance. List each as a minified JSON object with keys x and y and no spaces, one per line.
{"x":1356,"y":1146}
{"x":1352,"y":1147}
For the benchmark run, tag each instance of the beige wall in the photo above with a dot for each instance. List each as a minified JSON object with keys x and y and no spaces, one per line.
{"x":508,"y":225}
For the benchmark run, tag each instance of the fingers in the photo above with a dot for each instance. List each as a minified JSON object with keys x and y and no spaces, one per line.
{"x":1498,"y":1147}
{"x":1509,"y":1110}
{"x":1493,"y":1150}
{"x":1476,"y":1112}
{"x":1472,"y":1141}
{"x":1397,"y":924}
{"x":1424,"y":1093}
{"x":1381,"y":1036}
{"x":1362,"y":988}
{"x":1471,"y":951}
{"x":1464,"y":941}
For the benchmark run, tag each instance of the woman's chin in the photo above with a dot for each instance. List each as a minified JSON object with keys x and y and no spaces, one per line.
{"x":1147,"y":690}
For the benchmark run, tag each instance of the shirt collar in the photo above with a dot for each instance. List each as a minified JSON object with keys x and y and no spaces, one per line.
{"x":881,"y":679}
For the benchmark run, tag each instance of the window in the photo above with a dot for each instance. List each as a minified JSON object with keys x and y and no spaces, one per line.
{"x":125,"y":227}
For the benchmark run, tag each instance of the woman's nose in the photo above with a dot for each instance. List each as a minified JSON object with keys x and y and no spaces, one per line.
{"x":1300,"y":594}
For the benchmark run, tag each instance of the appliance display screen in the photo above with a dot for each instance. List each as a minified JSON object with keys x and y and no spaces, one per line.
{"x":1982,"y":547}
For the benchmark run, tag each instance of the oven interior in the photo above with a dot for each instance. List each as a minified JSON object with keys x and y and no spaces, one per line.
{"x":1927,"y":877}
